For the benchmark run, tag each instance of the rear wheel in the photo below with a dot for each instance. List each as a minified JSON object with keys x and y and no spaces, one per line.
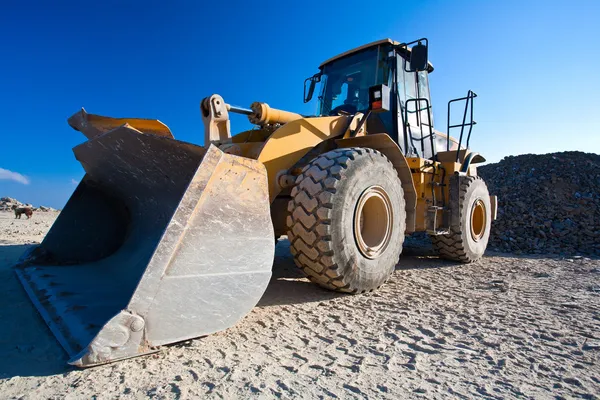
{"x":469,"y":235}
{"x":347,"y":220}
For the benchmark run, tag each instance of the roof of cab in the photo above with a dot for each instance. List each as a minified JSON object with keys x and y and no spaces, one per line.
{"x":366,"y":46}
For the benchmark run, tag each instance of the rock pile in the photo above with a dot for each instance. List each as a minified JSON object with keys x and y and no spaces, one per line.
{"x":7,"y":203}
{"x":547,"y":203}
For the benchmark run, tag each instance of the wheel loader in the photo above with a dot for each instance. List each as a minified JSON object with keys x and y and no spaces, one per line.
{"x":163,"y":240}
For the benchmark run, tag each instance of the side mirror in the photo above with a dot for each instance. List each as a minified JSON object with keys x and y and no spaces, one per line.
{"x":308,"y":92}
{"x":418,"y":57}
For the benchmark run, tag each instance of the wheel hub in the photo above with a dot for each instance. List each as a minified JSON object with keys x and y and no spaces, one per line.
{"x":373,"y":222}
{"x":478,"y":223}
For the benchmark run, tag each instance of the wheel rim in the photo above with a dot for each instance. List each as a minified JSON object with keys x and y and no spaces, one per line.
{"x":373,"y":222}
{"x":478,"y":220}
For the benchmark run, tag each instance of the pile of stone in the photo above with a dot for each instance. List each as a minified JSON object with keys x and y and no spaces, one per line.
{"x":46,"y":209}
{"x":7,"y":204}
{"x":547,"y":203}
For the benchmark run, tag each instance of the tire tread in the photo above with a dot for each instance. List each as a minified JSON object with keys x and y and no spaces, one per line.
{"x":310,"y":212}
{"x":451,"y":246}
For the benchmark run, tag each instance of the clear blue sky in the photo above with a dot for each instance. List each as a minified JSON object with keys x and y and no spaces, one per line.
{"x":533,"y":64}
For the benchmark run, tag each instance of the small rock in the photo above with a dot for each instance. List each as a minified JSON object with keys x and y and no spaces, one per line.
{"x":572,"y":381}
{"x":542,"y":275}
{"x":570,"y":305}
{"x":591,"y":346}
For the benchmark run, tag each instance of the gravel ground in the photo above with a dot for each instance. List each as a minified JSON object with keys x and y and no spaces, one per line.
{"x":504,"y":327}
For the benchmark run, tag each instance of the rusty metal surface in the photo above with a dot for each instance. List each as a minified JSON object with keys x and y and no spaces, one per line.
{"x":161,"y":241}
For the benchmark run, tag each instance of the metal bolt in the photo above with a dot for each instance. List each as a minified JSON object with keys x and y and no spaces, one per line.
{"x":137,"y":324}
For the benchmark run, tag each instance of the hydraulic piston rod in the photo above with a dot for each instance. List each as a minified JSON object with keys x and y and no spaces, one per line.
{"x":216,"y":119}
{"x":262,"y":114}
{"x":239,"y":110}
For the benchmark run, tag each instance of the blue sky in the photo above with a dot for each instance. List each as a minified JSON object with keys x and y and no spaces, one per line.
{"x":532,"y":64}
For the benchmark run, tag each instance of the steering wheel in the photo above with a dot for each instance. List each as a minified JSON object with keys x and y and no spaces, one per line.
{"x":345,"y":108}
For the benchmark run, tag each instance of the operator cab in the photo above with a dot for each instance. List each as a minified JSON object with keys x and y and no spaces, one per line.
{"x":346,"y":80}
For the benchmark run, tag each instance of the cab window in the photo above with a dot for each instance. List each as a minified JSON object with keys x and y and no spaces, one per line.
{"x":411,"y":86}
{"x":423,"y":86}
{"x":407,"y":90}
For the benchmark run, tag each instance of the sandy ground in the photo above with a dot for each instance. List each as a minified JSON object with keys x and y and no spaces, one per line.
{"x":505,"y":327}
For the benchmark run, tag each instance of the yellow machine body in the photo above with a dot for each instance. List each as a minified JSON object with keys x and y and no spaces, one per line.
{"x":281,"y":149}
{"x":164,"y":240}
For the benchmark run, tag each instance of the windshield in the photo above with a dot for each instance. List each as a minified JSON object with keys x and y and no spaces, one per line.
{"x":346,"y":82}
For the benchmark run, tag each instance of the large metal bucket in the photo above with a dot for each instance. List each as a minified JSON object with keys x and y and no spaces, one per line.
{"x":162,"y":241}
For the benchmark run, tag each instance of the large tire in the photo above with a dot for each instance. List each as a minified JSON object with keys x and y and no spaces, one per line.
{"x":339,"y":204}
{"x":469,"y":233}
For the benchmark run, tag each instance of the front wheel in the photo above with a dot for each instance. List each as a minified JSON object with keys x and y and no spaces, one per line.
{"x":347,"y":219}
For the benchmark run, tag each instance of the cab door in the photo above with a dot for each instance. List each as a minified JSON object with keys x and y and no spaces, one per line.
{"x":414,"y":103}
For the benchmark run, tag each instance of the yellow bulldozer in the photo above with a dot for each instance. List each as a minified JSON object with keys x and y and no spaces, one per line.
{"x":163,"y":240}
